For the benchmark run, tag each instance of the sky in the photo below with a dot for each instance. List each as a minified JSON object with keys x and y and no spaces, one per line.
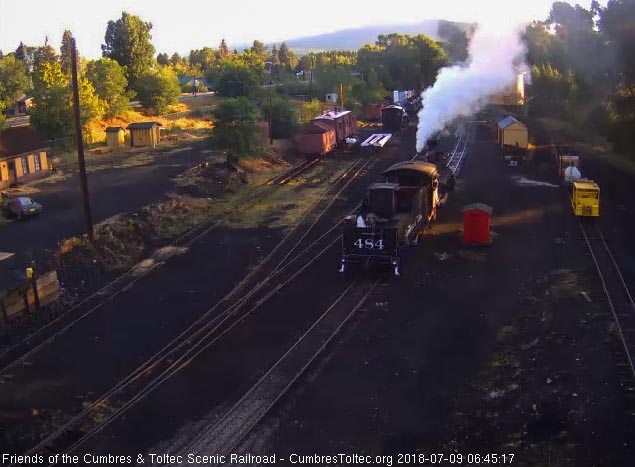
{"x":182,"y":26}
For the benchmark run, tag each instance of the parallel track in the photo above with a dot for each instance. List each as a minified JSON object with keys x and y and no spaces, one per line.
{"x":45,"y":335}
{"x":616,"y":291}
{"x":209,"y":328}
{"x":227,"y":433}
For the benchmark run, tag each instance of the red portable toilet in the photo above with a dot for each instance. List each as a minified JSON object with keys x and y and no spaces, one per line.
{"x":476,"y":222}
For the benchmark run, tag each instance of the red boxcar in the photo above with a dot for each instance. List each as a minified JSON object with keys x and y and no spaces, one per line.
{"x":342,"y":121}
{"x":316,"y":138}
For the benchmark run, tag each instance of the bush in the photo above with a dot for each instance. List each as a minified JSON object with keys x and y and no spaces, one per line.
{"x":235,"y":126}
{"x":158,"y":88}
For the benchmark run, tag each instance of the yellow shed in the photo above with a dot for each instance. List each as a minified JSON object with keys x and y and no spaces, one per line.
{"x":512,"y":132}
{"x":115,"y":136}
{"x":144,"y":134}
{"x":23,"y":155}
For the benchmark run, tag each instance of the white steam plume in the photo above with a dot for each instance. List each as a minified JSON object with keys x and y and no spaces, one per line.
{"x":461,"y":90}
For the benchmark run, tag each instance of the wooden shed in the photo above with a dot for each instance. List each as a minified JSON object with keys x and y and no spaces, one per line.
{"x":512,"y":132}
{"x":144,"y":134}
{"x":115,"y":137}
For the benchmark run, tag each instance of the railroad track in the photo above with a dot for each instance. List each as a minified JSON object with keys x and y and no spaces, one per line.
{"x":456,"y":157}
{"x":226,"y":434}
{"x":45,"y":335}
{"x":293,"y":172}
{"x":617,"y":294}
{"x":264,"y":282}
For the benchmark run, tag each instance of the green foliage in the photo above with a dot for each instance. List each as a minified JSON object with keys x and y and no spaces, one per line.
{"x":235,"y":79}
{"x":3,"y":121}
{"x":65,"y":52}
{"x":310,"y":110}
{"x":163,"y":59}
{"x":288,"y":59}
{"x":202,"y":59}
{"x":260,"y":49}
{"x":110,"y":83}
{"x":403,"y":61}
{"x":13,"y":81}
{"x":235,"y":126}
{"x":223,"y":49}
{"x":455,"y":40}
{"x":158,"y":88}
{"x":284,"y":123}
{"x":127,"y":41}
{"x":53,"y":111}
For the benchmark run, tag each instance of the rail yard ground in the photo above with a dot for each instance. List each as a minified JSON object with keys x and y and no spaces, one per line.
{"x":505,"y":349}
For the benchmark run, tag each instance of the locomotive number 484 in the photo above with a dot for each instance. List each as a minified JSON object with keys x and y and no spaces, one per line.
{"x":369,"y":244}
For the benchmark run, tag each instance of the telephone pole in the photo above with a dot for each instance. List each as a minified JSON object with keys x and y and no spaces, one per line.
{"x":270,"y":120}
{"x":88,"y":218}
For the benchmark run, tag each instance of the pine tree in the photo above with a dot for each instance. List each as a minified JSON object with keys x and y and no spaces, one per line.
{"x":20,"y":52}
{"x":275,"y":60}
{"x":66,"y":52}
{"x":223,"y":50}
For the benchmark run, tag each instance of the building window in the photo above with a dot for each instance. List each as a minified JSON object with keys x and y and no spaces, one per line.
{"x":38,"y":165}
{"x":25,"y":165}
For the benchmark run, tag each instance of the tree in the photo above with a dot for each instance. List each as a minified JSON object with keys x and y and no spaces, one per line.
{"x":260,"y":49}
{"x":203,"y":59}
{"x":13,"y":81}
{"x":163,"y":59}
{"x":235,"y":126}
{"x":127,"y":41}
{"x":284,"y":122}
{"x":65,"y":52}
{"x":53,"y":111}
{"x":110,"y":83}
{"x":455,"y":40}
{"x":310,"y":110}
{"x":275,"y":60}
{"x":288,"y":59}
{"x":223,"y":50}
{"x":158,"y":88}
{"x":236,"y":79}
{"x":20,"y":52}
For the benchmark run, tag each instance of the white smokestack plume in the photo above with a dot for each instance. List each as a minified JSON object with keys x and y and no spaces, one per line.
{"x":461,"y":90}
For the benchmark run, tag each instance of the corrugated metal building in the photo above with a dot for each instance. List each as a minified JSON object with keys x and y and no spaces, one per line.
{"x":23,"y":155}
{"x":144,"y":134}
{"x":511,"y":132}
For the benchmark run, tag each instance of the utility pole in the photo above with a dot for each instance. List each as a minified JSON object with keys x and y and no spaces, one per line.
{"x":270,"y":120}
{"x":80,"y":145}
{"x":311,"y":82}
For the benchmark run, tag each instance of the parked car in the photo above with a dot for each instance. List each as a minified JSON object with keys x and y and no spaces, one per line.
{"x":21,"y":206}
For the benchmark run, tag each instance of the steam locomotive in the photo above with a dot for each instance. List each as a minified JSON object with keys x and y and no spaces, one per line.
{"x":394,"y":213}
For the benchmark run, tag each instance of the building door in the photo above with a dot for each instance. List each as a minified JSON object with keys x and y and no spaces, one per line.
{"x":13,"y":178}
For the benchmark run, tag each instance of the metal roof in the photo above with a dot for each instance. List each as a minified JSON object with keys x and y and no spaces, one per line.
{"x":383,"y":185}
{"x":142,"y":125}
{"x":508,"y":121}
{"x":114,"y":129}
{"x":478,"y":207}
{"x":332,"y":115}
{"x":317,"y":128}
{"x":422,"y":167}
{"x":585,"y":183}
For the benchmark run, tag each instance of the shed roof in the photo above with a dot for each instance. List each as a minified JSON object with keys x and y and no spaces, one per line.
{"x":417,"y":166}
{"x":24,"y":98}
{"x":143,"y":125}
{"x":478,"y":207}
{"x":114,"y":129}
{"x":316,"y":127}
{"x":508,"y":121}
{"x":21,"y":139}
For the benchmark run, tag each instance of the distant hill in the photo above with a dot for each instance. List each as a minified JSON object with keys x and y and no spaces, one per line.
{"x":354,"y":39}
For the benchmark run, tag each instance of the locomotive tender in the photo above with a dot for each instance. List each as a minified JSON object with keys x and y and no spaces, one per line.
{"x":394,"y":213}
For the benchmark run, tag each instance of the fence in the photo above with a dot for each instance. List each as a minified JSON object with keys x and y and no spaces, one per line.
{"x":30,"y":295}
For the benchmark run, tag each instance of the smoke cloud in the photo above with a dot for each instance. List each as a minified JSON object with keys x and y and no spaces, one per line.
{"x":461,"y":90}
